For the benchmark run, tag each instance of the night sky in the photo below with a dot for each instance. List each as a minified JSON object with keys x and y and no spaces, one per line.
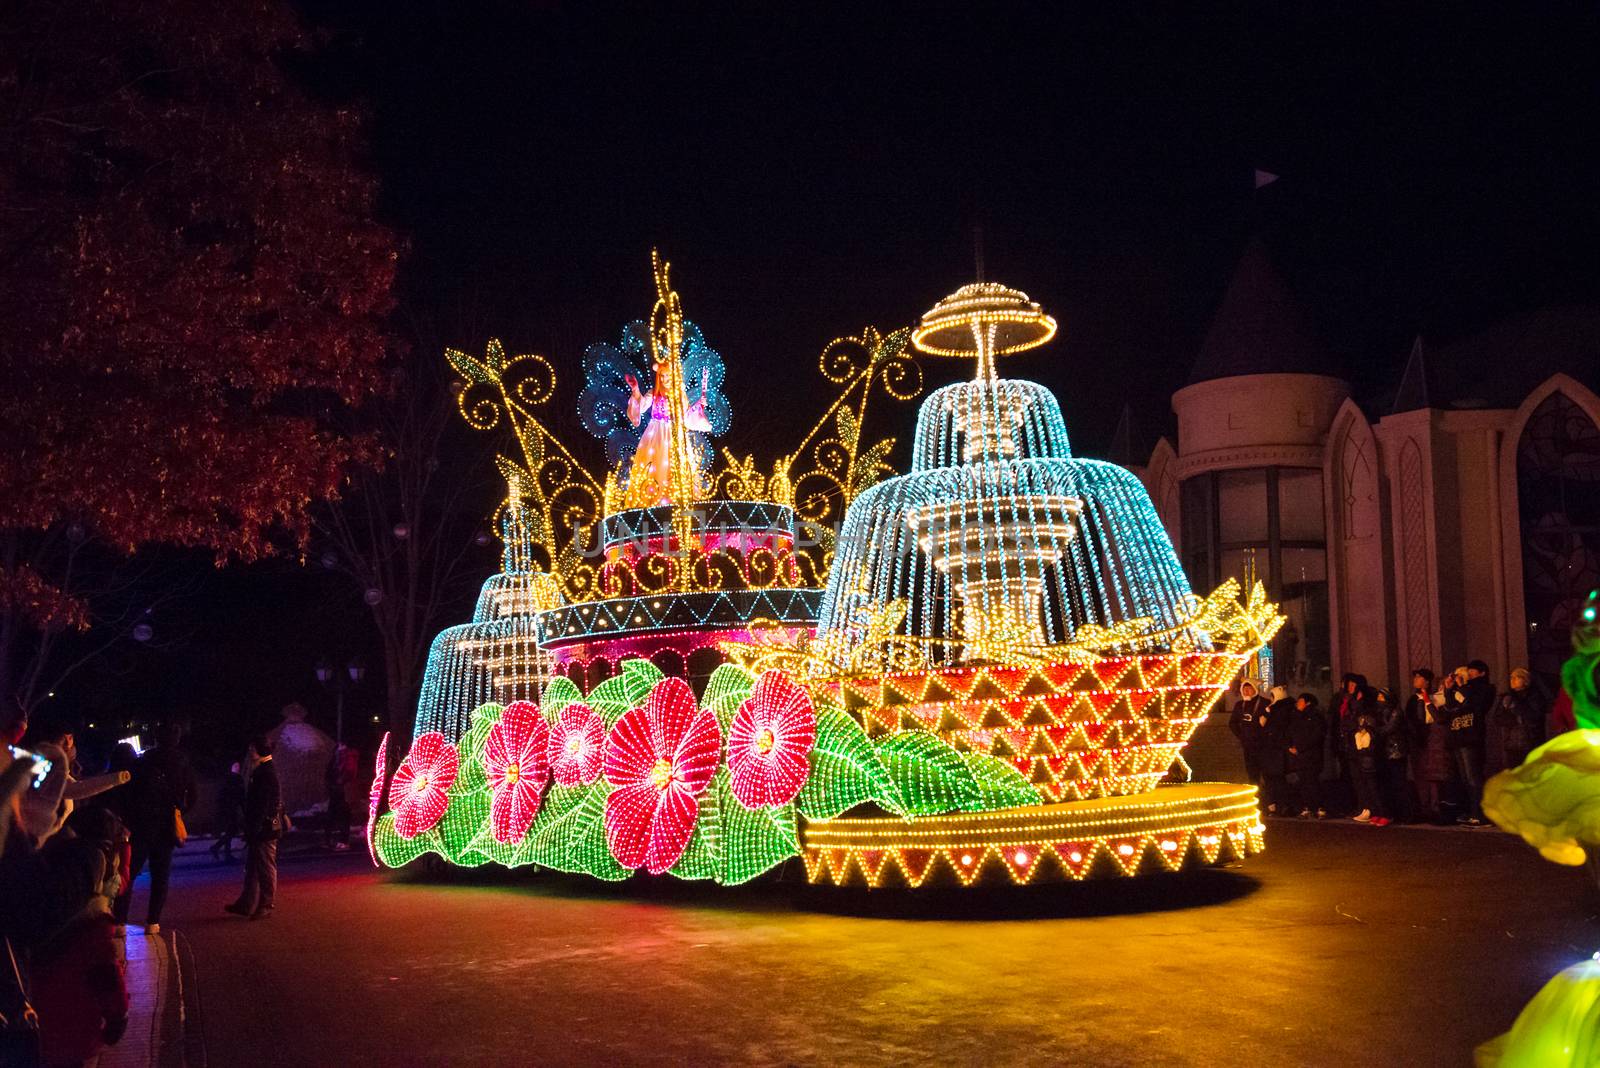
{"x":809,"y":172}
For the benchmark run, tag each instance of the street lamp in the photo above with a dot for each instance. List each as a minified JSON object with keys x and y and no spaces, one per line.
{"x":341,"y":681}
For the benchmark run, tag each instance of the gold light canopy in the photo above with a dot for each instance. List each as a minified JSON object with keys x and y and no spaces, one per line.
{"x":983,"y":319}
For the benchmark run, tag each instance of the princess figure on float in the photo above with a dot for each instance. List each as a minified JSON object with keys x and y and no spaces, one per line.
{"x":650,"y":474}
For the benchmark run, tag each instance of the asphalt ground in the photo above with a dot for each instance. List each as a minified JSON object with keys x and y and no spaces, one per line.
{"x":1341,"y":945}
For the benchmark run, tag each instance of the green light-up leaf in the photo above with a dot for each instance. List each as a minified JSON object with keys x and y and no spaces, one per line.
{"x":570,"y":833}
{"x":929,"y":776}
{"x":470,"y":751}
{"x":726,"y":690}
{"x":999,"y":784}
{"x":559,"y":692}
{"x":487,"y":714}
{"x":546,"y":843}
{"x":590,"y":852}
{"x":471,"y":778}
{"x":495,"y":355}
{"x":870,"y":466}
{"x":487,"y":846}
{"x":752,"y":840}
{"x":397,"y":852}
{"x":467,"y":367}
{"x":849,"y":429}
{"x":702,"y":857}
{"x":467,"y":815}
{"x":845,"y":769}
{"x":642,"y":677}
{"x":733,"y":844}
{"x":625,"y":690}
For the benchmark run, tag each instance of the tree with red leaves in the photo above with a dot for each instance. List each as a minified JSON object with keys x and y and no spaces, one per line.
{"x":193,"y":292}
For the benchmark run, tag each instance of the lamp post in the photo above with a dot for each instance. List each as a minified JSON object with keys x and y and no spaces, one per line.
{"x":341,"y":681}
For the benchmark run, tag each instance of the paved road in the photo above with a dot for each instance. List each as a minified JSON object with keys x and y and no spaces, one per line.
{"x":1342,"y":945}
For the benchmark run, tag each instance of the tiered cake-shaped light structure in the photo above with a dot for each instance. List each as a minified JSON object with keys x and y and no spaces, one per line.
{"x":1009,"y":658}
{"x":681,"y":569}
{"x":496,"y":657}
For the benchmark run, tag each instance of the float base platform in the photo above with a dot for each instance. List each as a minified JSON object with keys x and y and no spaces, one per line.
{"x":1167,"y":829}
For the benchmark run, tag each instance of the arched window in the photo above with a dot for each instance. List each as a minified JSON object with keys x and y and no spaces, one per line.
{"x":1270,"y":519}
{"x":1558,"y":494}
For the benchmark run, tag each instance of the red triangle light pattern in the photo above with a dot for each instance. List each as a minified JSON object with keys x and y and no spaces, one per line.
{"x":1077,"y":730}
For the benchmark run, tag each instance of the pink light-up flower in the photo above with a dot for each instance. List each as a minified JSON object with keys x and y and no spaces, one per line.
{"x":514,"y":763}
{"x":659,"y":758}
{"x":418,"y":793}
{"x":375,"y":795}
{"x":577,"y":745}
{"x":768,"y":740}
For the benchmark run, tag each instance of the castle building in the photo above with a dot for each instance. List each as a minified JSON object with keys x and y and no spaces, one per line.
{"x":1423,"y":518}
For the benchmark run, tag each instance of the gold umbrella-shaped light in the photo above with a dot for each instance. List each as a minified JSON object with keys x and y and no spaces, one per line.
{"x":983,"y":319}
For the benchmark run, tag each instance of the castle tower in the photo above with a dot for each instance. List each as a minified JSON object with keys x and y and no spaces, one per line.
{"x":1246,"y":479}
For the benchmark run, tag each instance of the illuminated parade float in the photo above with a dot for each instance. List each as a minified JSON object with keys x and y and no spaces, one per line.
{"x":988,"y":676}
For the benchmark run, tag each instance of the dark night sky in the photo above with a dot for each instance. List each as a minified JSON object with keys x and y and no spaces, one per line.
{"x":810,"y":171}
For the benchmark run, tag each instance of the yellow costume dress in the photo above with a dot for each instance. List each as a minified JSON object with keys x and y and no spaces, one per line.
{"x":650,"y":473}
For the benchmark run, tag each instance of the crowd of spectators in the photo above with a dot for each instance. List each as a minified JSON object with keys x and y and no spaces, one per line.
{"x":71,"y":844}
{"x":1383,"y":759}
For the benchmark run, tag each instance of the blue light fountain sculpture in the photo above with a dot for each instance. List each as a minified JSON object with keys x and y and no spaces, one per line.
{"x":999,"y":539}
{"x":1026,"y":606}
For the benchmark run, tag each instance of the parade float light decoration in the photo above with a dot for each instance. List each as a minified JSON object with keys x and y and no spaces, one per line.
{"x":1121,"y":836}
{"x":1014,"y":602}
{"x":380,"y":774}
{"x":496,"y":657}
{"x":658,"y":759}
{"x":673,"y":797}
{"x":1009,"y":657}
{"x":1553,"y":801}
{"x":516,"y":765}
{"x":663,"y":558}
{"x":688,"y":556}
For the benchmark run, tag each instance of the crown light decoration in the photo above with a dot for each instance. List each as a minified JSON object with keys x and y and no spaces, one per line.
{"x":1005,"y":662}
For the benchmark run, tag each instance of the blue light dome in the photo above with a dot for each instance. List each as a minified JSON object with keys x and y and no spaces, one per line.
{"x":998,"y":538}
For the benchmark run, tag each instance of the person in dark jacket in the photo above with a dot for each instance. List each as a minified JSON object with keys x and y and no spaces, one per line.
{"x":1396,"y":741}
{"x":1363,"y":750}
{"x":1245,"y":724}
{"x":1430,"y":755}
{"x":1274,"y":755}
{"x":1516,"y":724}
{"x":162,"y":789}
{"x":263,"y":826}
{"x":1347,"y":705}
{"x":1308,"y":737}
{"x":1469,"y":717}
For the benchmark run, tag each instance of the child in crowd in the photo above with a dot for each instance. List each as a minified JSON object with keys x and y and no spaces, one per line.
{"x":80,"y":988}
